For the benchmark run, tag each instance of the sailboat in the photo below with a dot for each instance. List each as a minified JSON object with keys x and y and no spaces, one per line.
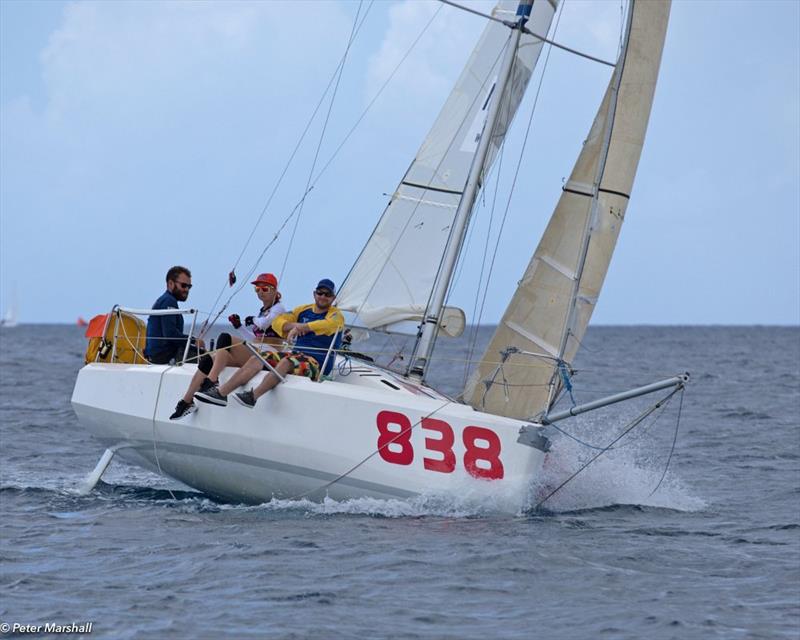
{"x":377,"y":431}
{"x":10,"y":318}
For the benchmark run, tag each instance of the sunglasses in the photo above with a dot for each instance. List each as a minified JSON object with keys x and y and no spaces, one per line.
{"x":324,"y":292}
{"x":183,"y":285}
{"x":267,"y":287}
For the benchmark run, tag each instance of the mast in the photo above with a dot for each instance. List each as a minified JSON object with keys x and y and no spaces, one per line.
{"x":591,"y":221}
{"x":430,"y":324}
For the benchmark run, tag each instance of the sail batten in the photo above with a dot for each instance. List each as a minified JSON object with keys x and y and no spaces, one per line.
{"x":551,"y":349}
{"x":559,"y":290}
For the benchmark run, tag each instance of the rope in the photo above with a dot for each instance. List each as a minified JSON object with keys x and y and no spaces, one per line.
{"x":353,"y":32}
{"x":564,"y":373}
{"x":125,"y":335}
{"x":462,"y":259}
{"x":513,"y":187}
{"x":628,"y":443}
{"x":672,"y":449}
{"x":155,"y":411}
{"x":283,"y":173}
{"x":376,"y":96}
{"x":329,"y":161}
{"x":636,"y":422}
{"x":345,"y":367}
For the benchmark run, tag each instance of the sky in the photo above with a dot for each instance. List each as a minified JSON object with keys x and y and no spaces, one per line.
{"x":138,"y":135}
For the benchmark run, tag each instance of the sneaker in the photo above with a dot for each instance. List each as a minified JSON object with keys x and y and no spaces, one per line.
{"x":208,"y":385}
{"x":246,"y":398}
{"x":183,"y":409}
{"x":212,"y":396}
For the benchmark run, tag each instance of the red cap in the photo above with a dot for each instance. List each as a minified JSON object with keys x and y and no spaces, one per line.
{"x":266,"y":278}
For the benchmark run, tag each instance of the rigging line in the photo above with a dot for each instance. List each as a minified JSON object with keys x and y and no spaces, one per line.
{"x":478,"y":13}
{"x":476,"y":325}
{"x":674,"y":440}
{"x":286,"y":167}
{"x":371,"y":455}
{"x":582,"y":347}
{"x":355,"y":126}
{"x":531,"y":33}
{"x":245,"y":281}
{"x":495,"y":171}
{"x":626,"y":444}
{"x":636,"y":422}
{"x":376,"y":96}
{"x":516,"y":176}
{"x":621,"y":26}
{"x":322,"y":135}
{"x":155,"y":411}
{"x":332,"y":158}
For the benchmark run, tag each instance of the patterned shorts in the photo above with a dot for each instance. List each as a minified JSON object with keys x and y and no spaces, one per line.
{"x":302,"y":365}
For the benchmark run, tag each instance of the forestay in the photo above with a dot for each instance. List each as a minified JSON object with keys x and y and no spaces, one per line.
{"x":549,"y":312}
{"x":390,"y":284}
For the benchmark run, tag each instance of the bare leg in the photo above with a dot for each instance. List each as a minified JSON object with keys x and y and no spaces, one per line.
{"x":221,"y":359}
{"x":242,"y":376}
{"x":270,"y":380}
{"x":234,"y":356}
{"x":239,"y":354}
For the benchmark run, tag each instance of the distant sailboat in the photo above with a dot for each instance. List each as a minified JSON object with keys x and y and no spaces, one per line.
{"x":81,"y":322}
{"x":9,"y":319}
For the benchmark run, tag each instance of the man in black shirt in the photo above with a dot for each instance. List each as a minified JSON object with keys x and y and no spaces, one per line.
{"x":165,"y":338}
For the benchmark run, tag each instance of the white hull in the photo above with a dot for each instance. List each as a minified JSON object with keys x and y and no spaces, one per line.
{"x":303,"y":436}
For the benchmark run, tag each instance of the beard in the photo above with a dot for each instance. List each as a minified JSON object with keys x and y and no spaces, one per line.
{"x":180,"y":293}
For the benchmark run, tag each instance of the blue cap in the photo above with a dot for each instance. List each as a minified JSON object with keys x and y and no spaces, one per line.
{"x":325,"y":283}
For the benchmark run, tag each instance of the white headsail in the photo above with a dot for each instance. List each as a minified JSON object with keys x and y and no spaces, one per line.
{"x":547,"y":316}
{"x":390,"y":284}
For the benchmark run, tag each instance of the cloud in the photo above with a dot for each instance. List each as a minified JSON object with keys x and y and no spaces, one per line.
{"x":140,"y":53}
{"x":132,"y":75}
{"x":154,"y":113}
{"x":430,"y":71}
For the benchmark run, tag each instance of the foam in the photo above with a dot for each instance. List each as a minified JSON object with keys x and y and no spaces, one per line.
{"x":625,"y":475}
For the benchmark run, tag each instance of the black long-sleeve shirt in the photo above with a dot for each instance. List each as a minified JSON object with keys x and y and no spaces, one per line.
{"x":165,"y":333}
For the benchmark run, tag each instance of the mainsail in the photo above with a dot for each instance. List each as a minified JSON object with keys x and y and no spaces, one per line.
{"x":390,"y":284}
{"x":521,"y":371}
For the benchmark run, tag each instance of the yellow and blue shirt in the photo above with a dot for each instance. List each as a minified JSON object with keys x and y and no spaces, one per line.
{"x":323,"y":325}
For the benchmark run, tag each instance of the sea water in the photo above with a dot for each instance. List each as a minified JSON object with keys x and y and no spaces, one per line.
{"x":713,"y":552}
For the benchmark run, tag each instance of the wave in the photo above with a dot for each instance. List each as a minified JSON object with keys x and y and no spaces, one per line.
{"x":627,"y":476}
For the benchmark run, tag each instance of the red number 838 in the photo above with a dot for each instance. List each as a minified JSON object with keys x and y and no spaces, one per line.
{"x":482,"y":446}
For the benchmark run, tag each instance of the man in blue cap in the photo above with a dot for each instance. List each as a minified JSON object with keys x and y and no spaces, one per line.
{"x":314,"y":329}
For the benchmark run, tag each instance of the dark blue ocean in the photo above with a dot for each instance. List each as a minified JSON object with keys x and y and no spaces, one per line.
{"x":713,"y":553}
